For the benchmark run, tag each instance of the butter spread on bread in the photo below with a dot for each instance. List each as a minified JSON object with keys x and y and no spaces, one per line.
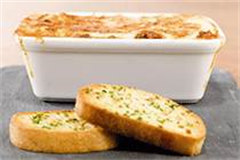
{"x":142,"y":115}
{"x":60,"y":131}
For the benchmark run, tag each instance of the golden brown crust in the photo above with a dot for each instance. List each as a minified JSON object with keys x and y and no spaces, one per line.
{"x":40,"y":140}
{"x":207,"y":35}
{"x":144,"y":34}
{"x":173,"y":26}
{"x":188,"y":145}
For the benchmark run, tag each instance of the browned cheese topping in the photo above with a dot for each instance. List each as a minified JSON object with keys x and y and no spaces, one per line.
{"x":159,"y":26}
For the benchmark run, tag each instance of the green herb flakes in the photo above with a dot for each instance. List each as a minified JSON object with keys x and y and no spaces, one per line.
{"x":161,"y":121}
{"x":139,"y":118}
{"x":37,"y":118}
{"x":46,"y":127}
{"x":72,"y":120}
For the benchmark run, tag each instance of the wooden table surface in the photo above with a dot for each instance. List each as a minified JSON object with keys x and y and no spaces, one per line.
{"x":224,"y":13}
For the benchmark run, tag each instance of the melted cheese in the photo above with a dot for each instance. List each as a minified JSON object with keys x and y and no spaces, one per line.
{"x":160,"y":26}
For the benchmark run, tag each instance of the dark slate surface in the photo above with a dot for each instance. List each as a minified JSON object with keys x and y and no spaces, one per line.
{"x":219,"y":108}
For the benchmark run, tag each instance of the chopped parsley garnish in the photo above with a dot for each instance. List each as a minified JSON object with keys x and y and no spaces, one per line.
{"x":72,"y":120}
{"x":83,"y":124}
{"x":55,"y":123}
{"x":58,"y":120}
{"x":139,"y":118}
{"x":189,"y":124}
{"x":180,"y":126}
{"x":172,"y":106}
{"x":156,"y":105}
{"x":88,"y":90}
{"x":161,"y":121}
{"x":104,"y":91}
{"x":37,"y":118}
{"x":46,"y":127}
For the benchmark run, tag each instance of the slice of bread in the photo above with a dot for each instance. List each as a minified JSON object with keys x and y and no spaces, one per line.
{"x":142,"y":115}
{"x":60,"y":131}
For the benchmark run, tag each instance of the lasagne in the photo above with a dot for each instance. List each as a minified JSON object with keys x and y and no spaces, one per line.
{"x":157,"y":26}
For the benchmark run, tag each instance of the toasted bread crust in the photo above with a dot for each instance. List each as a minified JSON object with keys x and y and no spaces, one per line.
{"x":179,"y":143}
{"x":40,"y":140}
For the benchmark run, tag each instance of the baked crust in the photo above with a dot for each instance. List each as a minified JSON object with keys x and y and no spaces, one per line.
{"x":26,"y":137}
{"x":159,"y":26}
{"x":186,"y":144}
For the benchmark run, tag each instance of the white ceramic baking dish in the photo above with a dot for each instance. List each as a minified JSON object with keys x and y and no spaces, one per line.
{"x":178,"y":69}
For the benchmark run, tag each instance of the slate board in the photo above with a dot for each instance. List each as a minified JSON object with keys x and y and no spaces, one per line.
{"x":219,"y":108}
